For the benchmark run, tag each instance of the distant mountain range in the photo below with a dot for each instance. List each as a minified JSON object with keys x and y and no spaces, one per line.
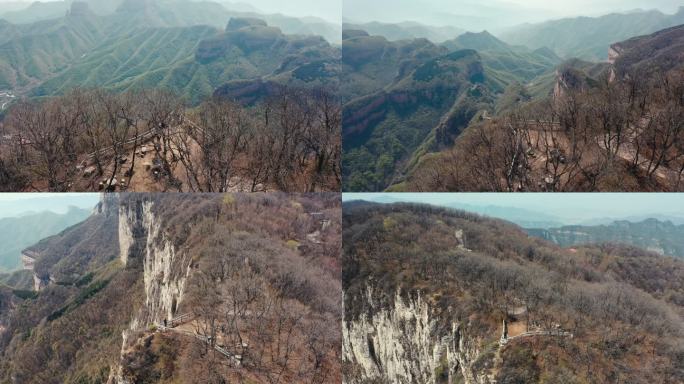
{"x":164,"y":43}
{"x":406,"y":30}
{"x":17,"y":233}
{"x":662,"y":237}
{"x":531,"y":218}
{"x":661,"y":234}
{"x":59,"y":204}
{"x":589,"y":37}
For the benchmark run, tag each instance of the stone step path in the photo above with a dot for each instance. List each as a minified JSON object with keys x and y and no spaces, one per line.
{"x":556,"y":333}
{"x":173,"y":324}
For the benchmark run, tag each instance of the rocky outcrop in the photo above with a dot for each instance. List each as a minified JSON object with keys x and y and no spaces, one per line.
{"x":236,"y":23}
{"x":352,"y":33}
{"x":39,"y":283}
{"x":568,"y":79}
{"x":248,"y":39}
{"x":165,"y":268}
{"x":108,"y":205}
{"x":28,"y":259}
{"x":404,"y":342}
{"x":614,"y":53}
{"x":435,"y":84}
{"x":254,"y":35}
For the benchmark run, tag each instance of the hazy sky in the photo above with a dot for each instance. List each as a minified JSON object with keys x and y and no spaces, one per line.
{"x":330,"y":10}
{"x":574,"y":207}
{"x":490,"y":14}
{"x":15,"y":204}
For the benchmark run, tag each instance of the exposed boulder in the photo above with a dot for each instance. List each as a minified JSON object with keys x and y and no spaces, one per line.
{"x":569,"y":79}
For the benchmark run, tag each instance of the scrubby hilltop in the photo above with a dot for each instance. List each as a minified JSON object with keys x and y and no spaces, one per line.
{"x":434,"y":295}
{"x":182,"y":288}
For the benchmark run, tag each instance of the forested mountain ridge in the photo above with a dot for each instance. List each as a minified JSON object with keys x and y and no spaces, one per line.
{"x":251,"y":281}
{"x":141,"y":43}
{"x":441,"y":296}
{"x":662,"y":51}
{"x":661,"y":237}
{"x":195,"y":61}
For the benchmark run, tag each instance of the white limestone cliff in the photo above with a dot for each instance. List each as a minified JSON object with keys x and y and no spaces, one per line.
{"x":405,"y":344}
{"x":165,"y":270}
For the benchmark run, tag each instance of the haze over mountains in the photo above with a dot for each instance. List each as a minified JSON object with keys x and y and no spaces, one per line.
{"x":569,"y":220}
{"x":29,"y":10}
{"x":493,"y":15}
{"x":17,"y":233}
{"x":588,"y":38}
{"x":24,"y":220}
{"x":662,"y":237}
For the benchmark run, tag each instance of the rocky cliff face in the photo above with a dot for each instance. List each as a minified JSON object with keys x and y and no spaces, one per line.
{"x":568,"y":79}
{"x":405,"y":342}
{"x":165,"y":268}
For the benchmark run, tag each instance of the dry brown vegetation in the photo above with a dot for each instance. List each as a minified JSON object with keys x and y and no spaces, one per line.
{"x":623,"y":135}
{"x":264,"y":283}
{"x":623,"y":305}
{"x":265,"y":286}
{"x":146,"y":140}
